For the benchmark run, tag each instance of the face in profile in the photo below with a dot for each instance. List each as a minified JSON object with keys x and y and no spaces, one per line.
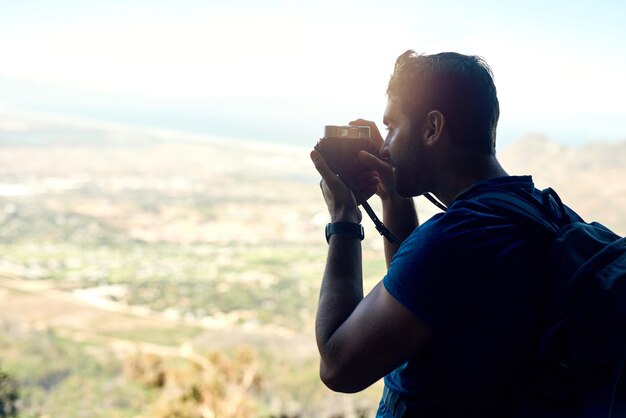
{"x":404,"y":150}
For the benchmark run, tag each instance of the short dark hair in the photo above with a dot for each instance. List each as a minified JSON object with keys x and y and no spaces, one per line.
{"x":460,"y":86}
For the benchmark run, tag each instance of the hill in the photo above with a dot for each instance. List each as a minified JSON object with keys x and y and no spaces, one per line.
{"x":589,"y":177}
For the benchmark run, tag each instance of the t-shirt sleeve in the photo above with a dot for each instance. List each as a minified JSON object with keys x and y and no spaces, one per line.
{"x":452,"y":269}
{"x":414,"y":274}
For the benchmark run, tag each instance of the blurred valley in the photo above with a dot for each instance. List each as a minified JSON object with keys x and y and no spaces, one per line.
{"x":156,"y":274}
{"x":133,"y":258}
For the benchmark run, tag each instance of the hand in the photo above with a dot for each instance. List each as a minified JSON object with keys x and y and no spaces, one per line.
{"x":341,"y":203}
{"x":379,"y":178}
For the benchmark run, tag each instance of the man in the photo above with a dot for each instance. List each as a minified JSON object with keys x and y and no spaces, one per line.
{"x":453,"y":324}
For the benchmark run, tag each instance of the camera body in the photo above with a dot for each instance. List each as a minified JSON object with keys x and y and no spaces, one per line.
{"x":341,"y":144}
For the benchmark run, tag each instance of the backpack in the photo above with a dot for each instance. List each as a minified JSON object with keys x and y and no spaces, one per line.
{"x":579,"y":368}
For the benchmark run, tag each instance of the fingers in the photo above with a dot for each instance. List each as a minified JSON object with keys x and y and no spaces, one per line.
{"x":367,"y":176}
{"x":374,"y":163}
{"x":342,"y":204}
{"x":320,"y":165}
{"x":368,"y":183}
{"x":374,"y":132}
{"x":384,"y":176}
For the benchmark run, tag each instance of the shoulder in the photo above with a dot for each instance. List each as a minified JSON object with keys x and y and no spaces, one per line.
{"x":473,"y":212}
{"x":469,"y":222}
{"x":468,"y":246}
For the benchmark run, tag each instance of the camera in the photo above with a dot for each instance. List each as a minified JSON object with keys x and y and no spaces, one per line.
{"x":341,"y":144}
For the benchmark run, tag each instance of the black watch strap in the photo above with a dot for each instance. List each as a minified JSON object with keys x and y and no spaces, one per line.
{"x":344,"y":228}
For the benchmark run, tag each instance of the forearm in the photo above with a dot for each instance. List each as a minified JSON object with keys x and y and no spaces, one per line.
{"x":341,"y":291}
{"x":400,"y":217}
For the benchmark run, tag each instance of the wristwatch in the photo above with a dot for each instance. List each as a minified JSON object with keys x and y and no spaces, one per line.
{"x":344,"y":228}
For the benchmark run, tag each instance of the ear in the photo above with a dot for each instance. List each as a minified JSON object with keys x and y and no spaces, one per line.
{"x":433,"y":128}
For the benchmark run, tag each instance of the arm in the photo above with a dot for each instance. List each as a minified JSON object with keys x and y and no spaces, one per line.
{"x":399,"y":214}
{"x":358,"y":348}
{"x":359,"y":339}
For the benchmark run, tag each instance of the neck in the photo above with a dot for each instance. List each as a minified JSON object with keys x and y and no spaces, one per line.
{"x":466,"y":171}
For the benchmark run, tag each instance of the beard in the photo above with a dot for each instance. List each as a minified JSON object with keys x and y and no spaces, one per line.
{"x":410,"y":171}
{"x":403,"y":185}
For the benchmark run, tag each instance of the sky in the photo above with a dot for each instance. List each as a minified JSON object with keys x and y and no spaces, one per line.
{"x":280,"y":70}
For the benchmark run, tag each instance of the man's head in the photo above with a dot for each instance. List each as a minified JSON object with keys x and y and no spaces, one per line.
{"x":459,"y":86}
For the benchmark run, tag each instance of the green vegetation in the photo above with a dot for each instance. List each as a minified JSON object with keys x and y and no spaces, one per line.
{"x":275,"y":281}
{"x":61,"y":378}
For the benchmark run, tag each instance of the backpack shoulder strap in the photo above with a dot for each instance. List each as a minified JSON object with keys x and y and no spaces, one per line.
{"x":550,"y":214}
{"x":520,"y":208}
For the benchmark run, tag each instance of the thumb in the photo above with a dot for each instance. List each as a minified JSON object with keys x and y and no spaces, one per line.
{"x":328,"y":175}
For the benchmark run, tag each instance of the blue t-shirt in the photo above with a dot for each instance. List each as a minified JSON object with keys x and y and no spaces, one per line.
{"x":475,"y":278}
